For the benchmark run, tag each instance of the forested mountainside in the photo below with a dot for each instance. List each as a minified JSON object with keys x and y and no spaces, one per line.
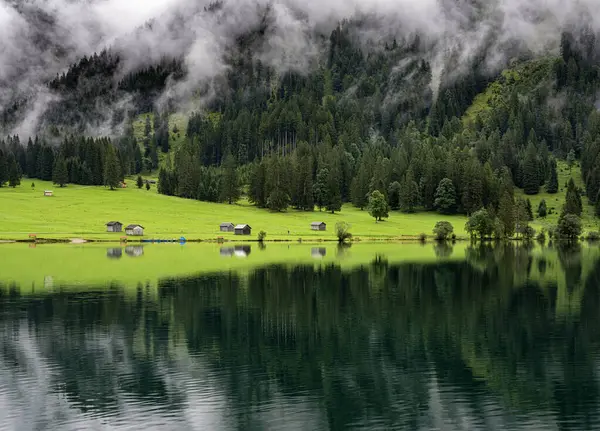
{"x":361,"y":114}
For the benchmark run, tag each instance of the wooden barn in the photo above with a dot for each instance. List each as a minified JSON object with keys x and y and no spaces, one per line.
{"x":134,"y":230}
{"x":114,"y":226}
{"x":48,"y":193}
{"x":318,"y":225}
{"x":227,"y":227}
{"x":243,"y":229}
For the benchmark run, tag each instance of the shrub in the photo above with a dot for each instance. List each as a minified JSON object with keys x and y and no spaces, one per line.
{"x":423,"y":237}
{"x":443,"y":230}
{"x":342,"y":231}
{"x":593,"y":236}
{"x":569,"y":227}
{"x":541,"y":237}
{"x":528,"y":233}
{"x":261,"y":236}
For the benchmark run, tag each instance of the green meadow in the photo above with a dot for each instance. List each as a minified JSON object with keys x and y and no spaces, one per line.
{"x":82,"y":212}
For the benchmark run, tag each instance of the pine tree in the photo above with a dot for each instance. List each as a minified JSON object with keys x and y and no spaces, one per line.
{"x":112,"y":168}
{"x":230,"y":184}
{"x":506,"y":214}
{"x":542,"y":209}
{"x":531,"y":180}
{"x":60,"y":174}
{"x":552,"y":186}
{"x":257,"y":190}
{"x":148,"y":127}
{"x":445,"y":197}
{"x":3,"y":169}
{"x":409,"y":194}
{"x":529,"y":209}
{"x":378,"y":207}
{"x":320,"y":189}
{"x":14,"y":171}
{"x":140,"y":182}
{"x":571,"y":159}
{"x":334,"y":194}
{"x":573,"y":204}
{"x":394,"y":195}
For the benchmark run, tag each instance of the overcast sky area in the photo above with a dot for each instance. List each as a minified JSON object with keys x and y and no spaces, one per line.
{"x":40,"y":38}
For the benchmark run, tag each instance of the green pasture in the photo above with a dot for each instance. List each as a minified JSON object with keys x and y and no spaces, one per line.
{"x":82,"y":211}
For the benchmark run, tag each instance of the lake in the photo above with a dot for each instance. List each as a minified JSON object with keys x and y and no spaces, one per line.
{"x":299,"y":337}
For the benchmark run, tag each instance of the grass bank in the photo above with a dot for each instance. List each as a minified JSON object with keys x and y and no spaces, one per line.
{"x":82,"y":211}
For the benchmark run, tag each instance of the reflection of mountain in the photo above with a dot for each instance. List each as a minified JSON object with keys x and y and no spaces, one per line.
{"x":454,"y":345}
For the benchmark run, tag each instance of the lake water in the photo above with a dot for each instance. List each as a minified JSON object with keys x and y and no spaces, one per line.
{"x":299,"y":337}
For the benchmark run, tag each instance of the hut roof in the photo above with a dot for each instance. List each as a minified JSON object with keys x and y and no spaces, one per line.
{"x":112,"y":223}
{"x":226,"y":224}
{"x":243,"y":226}
{"x":133,"y":226}
{"x":317,"y":223}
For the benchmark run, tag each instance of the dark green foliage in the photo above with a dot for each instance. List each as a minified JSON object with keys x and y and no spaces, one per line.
{"x":320,"y":188}
{"x":14,"y":171}
{"x":445,"y":197}
{"x":112,"y":169}
{"x":552,"y":186}
{"x":569,"y":227}
{"x":60,"y":175}
{"x":261,"y":236}
{"x":167,"y":182}
{"x":529,"y":210}
{"x":256,"y":191}
{"x":394,"y":195}
{"x":573,"y":204}
{"x":528,"y":233}
{"x":571,"y":159}
{"x":531,"y":171}
{"x":230,"y":184}
{"x":139,"y":182}
{"x":3,"y":168}
{"x":148,"y":186}
{"x":409,"y":193}
{"x":480,"y":224}
{"x":507,"y":214}
{"x":443,"y":230}
{"x":542,"y":209}
{"x":378,"y":206}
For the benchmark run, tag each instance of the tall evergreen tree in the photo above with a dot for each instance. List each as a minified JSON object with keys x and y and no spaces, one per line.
{"x":230,"y":184}
{"x":334,"y":194}
{"x":3,"y":168}
{"x":112,"y":168}
{"x":409,"y":195}
{"x":60,"y":175}
{"x":14,"y":171}
{"x":378,"y":207}
{"x":445,"y":197}
{"x":552,"y":186}
{"x":573,"y":204}
{"x":321,"y":189}
{"x":506,"y":214}
{"x":394,"y":191}
{"x":531,"y":171}
{"x":257,"y":189}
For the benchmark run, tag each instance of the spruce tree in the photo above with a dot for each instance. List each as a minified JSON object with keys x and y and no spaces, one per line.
{"x":3,"y":169}
{"x":573,"y":204}
{"x":409,"y":193}
{"x":112,"y":168}
{"x":139,"y":182}
{"x":230,"y":184}
{"x":506,"y":214}
{"x":542,"y":209}
{"x":320,"y":189}
{"x":334,"y":194}
{"x":14,"y":171}
{"x":60,"y":175}
{"x":445,"y":197}
{"x":531,"y":180}
{"x":257,"y":190}
{"x":394,"y":195}
{"x":552,"y":186}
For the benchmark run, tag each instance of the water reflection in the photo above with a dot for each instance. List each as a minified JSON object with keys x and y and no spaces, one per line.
{"x":134,"y":250}
{"x":241,"y":251}
{"x":508,"y":338}
{"x":318,"y":252}
{"x":114,"y":253}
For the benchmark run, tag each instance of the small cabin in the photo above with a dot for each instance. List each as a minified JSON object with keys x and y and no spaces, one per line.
{"x":114,"y":226}
{"x":48,"y":193}
{"x":243,"y":229}
{"x":134,"y":230}
{"x":318,"y":225}
{"x":227,"y":227}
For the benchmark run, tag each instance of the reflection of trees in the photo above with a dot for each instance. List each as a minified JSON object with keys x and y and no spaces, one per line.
{"x":380,"y":342}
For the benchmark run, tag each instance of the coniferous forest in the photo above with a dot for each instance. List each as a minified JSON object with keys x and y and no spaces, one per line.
{"x":360,"y":121}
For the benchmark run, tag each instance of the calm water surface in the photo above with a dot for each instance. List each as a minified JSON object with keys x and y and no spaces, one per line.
{"x":500,"y":338}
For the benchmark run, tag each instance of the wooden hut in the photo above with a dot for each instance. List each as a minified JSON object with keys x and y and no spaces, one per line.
{"x":114,"y":226}
{"x":134,"y":230}
{"x":318,"y":225}
{"x":227,"y":227}
{"x":48,"y":193}
{"x":243,"y":229}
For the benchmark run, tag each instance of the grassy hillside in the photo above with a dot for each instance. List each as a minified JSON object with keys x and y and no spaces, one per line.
{"x":82,"y":211}
{"x":556,"y":201}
